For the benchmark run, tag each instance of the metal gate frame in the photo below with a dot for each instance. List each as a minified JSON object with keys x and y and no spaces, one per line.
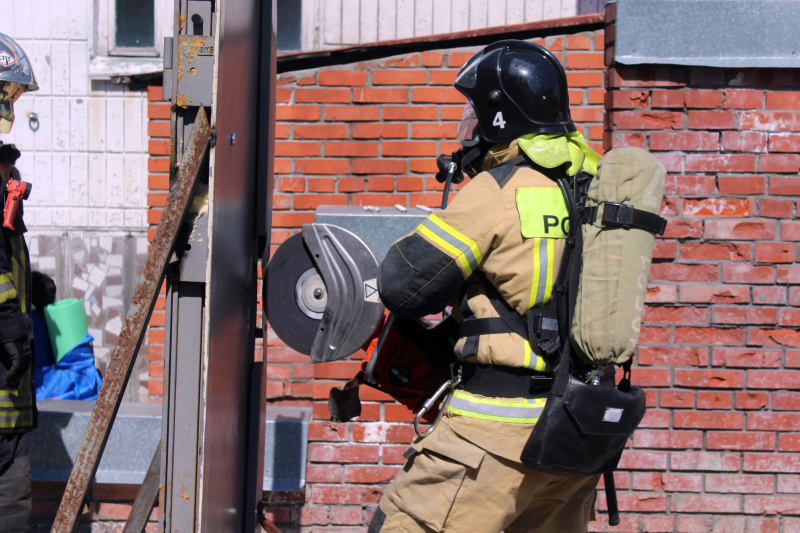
{"x":214,"y":226}
{"x":214,"y":404}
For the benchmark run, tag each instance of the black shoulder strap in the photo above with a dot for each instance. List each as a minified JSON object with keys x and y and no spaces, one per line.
{"x":567,"y":289}
{"x":507,"y":314}
{"x":502,"y":173}
{"x":540,"y":326}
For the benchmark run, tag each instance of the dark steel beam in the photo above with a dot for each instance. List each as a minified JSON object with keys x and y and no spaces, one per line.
{"x":133,"y":330}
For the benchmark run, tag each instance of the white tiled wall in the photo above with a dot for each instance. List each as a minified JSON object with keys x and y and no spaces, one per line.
{"x":87,"y":162}
{"x":88,"y":159}
{"x":335,"y":23}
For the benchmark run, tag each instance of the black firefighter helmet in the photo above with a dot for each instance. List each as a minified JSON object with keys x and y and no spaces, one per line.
{"x":514,"y":88}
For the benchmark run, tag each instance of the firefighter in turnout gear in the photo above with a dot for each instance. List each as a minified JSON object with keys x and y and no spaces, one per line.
{"x":17,"y":401}
{"x":495,"y":249}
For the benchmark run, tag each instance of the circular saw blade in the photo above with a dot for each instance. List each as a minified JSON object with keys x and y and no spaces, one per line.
{"x":291,"y":281}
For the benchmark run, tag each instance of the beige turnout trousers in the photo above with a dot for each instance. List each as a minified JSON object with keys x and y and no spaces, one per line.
{"x":452,"y":485}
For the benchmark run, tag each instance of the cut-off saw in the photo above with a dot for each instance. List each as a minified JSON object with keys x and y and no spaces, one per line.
{"x":322,"y":300}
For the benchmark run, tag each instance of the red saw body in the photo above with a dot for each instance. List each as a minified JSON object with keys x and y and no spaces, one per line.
{"x":17,"y":191}
{"x":410,"y":360}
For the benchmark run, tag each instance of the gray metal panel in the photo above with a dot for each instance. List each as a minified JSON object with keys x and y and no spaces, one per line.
{"x":285,"y":445}
{"x":231,"y":281}
{"x":379,"y":227}
{"x":713,"y":33}
{"x":54,"y":445}
{"x":136,"y":433}
{"x":184,"y":339}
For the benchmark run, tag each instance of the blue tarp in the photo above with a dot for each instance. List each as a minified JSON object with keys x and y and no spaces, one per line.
{"x":74,"y":377}
{"x":44,"y":353}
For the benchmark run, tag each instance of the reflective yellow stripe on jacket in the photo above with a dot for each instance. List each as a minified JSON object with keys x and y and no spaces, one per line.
{"x":519,"y":412}
{"x":543,"y":271}
{"x":452,"y":242}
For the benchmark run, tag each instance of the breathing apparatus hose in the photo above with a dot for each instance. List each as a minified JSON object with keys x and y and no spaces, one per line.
{"x":451,"y":170}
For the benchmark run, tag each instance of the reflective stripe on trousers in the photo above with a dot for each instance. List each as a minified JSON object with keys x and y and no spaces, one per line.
{"x":16,"y":405}
{"x":519,"y":412}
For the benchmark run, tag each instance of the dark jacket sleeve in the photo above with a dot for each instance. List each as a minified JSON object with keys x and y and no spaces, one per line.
{"x":424,"y":270}
{"x":417,"y":279}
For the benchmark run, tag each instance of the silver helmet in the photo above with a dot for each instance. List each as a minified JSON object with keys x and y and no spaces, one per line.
{"x":16,"y":77}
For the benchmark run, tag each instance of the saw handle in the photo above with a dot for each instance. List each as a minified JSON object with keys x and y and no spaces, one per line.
{"x":17,"y":191}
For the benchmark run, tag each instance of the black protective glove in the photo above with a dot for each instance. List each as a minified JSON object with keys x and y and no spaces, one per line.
{"x":19,"y":354}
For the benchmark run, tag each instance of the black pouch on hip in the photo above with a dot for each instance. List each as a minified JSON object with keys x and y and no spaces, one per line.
{"x":583,"y":431}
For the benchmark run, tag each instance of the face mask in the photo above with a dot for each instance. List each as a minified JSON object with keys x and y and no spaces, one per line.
{"x":467,"y":159}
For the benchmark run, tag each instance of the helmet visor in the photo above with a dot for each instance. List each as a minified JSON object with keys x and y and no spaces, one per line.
{"x":468,"y":75}
{"x":468,"y":126}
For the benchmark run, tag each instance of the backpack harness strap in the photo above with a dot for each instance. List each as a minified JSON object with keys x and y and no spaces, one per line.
{"x":539,"y":326}
{"x":624,"y":216}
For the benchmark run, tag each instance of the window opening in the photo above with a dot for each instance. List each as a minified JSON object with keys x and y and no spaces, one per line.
{"x":135,"y":24}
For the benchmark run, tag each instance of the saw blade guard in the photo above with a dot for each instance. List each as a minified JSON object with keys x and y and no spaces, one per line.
{"x":349,"y":271}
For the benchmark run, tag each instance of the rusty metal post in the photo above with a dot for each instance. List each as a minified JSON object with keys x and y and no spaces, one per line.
{"x":133,"y":330}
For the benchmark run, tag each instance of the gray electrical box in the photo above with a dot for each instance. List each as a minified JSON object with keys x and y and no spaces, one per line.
{"x":712,"y":33}
{"x":379,"y":227}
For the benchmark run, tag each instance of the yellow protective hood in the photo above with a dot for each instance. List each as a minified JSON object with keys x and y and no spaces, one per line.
{"x":551,"y":150}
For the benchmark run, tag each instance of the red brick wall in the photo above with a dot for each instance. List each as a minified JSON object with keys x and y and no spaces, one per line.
{"x":158,"y":128}
{"x":720,"y":349}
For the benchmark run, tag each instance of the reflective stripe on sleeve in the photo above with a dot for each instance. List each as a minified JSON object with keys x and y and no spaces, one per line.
{"x":17,"y":398}
{"x":519,"y":412}
{"x":21,"y":403}
{"x":455,"y":243}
